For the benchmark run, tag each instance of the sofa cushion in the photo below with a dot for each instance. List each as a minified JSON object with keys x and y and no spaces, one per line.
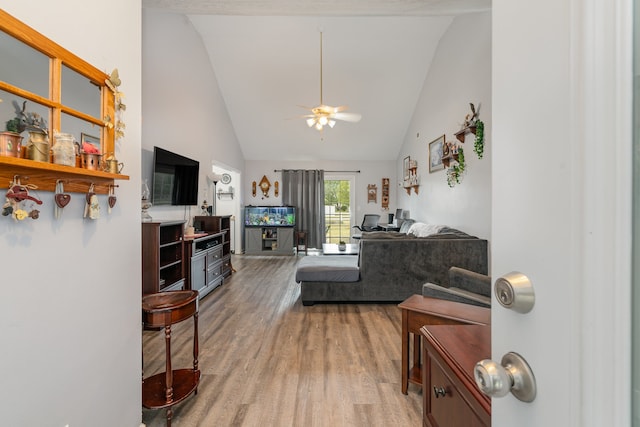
{"x":328,"y":268}
{"x":383,"y":235}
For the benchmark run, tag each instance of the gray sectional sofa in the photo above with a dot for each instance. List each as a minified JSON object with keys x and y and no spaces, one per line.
{"x":390,"y":267}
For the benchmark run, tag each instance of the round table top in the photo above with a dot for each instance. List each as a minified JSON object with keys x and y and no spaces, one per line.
{"x":171,"y":300}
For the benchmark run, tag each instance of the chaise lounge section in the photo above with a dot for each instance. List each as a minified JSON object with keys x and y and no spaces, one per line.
{"x":390,"y":266}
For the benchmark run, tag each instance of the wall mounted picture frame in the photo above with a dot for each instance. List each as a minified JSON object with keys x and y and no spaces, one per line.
{"x":93,"y":140}
{"x":436,"y":150}
{"x":372,"y":193}
{"x":405,"y":168}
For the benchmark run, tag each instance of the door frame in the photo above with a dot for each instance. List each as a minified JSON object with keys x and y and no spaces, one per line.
{"x":602,"y":32}
{"x":337,"y":176}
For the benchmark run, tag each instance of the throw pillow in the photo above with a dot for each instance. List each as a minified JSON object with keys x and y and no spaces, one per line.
{"x":406,"y":225}
{"x":420,"y":229}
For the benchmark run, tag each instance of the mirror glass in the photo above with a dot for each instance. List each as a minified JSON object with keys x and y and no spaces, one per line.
{"x":79,"y":93}
{"x":23,"y":66}
{"x":81,"y":130}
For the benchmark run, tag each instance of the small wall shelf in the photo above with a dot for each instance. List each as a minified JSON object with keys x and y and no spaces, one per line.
{"x":409,"y":187}
{"x":225,"y":193}
{"x":413,"y":180}
{"x":463,"y":132}
{"x":44,"y":175}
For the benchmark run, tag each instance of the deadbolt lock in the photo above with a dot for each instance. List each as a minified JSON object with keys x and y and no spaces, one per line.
{"x":515,"y":291}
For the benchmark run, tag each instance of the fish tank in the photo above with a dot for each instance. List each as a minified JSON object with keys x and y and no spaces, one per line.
{"x":274,"y":216}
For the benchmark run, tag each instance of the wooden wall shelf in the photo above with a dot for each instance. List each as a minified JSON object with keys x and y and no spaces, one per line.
{"x":44,"y":176}
{"x":409,"y":187}
{"x":463,"y":132}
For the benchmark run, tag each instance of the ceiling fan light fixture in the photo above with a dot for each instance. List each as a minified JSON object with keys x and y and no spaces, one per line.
{"x":324,"y":115}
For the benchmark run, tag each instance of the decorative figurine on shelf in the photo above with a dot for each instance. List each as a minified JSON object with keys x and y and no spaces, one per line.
{"x":205,"y":208}
{"x":146,"y":203}
{"x":37,"y":146}
{"x":470,"y":119}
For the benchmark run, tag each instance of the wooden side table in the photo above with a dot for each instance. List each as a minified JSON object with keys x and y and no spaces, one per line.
{"x":168,"y":388}
{"x":301,"y":241}
{"x":418,"y":311}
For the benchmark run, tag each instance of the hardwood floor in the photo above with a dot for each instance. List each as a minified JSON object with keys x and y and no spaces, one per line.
{"x":267,"y":360}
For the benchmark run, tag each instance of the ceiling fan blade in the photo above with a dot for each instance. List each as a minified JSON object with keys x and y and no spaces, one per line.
{"x":347,"y":117}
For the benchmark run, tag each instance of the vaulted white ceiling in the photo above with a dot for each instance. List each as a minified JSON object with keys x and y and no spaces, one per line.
{"x":266,"y":57}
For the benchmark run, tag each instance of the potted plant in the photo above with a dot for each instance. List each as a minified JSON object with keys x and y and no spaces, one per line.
{"x":342,"y":246}
{"x":10,"y":139}
{"x":456,"y":170}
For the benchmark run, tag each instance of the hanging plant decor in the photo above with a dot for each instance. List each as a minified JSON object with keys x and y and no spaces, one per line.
{"x":456,"y":170}
{"x":478,"y":145}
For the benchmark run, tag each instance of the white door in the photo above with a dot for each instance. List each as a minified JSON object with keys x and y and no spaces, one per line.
{"x":561,"y":189}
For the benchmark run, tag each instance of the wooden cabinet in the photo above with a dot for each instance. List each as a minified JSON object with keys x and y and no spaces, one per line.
{"x":205,"y":263}
{"x":218,"y":224}
{"x":449,"y":392}
{"x":163,"y":266}
{"x":268,"y":240}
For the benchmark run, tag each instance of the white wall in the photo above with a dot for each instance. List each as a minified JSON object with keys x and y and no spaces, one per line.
{"x":460,"y":74}
{"x":183,"y":108}
{"x":70,"y":305}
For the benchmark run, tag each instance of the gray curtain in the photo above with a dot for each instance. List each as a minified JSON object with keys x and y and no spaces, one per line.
{"x":304,"y":189}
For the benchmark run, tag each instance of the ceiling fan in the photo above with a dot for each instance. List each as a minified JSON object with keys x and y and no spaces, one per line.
{"x":324,"y":115}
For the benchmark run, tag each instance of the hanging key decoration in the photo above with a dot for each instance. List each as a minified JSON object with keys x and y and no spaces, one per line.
{"x":92,"y":207}
{"x":61,"y":199}
{"x":112,"y":198}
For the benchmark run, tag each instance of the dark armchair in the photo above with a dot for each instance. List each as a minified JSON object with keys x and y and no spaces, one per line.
{"x":369,"y":223}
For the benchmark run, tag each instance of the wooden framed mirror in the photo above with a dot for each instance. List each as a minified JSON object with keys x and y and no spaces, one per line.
{"x":72,"y":95}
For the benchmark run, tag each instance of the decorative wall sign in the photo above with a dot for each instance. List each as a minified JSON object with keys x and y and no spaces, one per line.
{"x":372,"y":193}
{"x":385,"y":193}
{"x":253,"y":188}
{"x":276,"y":188}
{"x":405,"y":169}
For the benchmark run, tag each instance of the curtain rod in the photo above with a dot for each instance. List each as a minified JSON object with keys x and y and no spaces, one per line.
{"x":280,"y":170}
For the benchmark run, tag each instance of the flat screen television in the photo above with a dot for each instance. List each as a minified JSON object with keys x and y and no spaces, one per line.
{"x":175,"y":179}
